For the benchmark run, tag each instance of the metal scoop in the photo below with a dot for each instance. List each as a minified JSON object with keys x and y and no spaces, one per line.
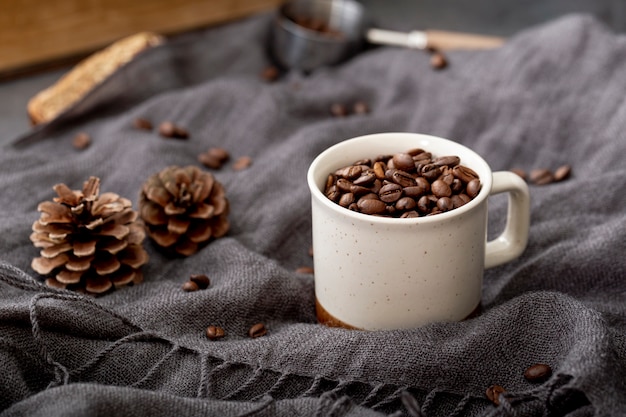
{"x":307,"y":34}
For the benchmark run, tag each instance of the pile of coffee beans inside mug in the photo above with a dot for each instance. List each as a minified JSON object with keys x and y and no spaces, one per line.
{"x":407,"y":184}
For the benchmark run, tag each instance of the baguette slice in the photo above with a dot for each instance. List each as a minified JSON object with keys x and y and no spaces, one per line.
{"x":87,"y":74}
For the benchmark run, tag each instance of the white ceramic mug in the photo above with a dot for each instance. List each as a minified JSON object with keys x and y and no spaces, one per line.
{"x":376,"y":272}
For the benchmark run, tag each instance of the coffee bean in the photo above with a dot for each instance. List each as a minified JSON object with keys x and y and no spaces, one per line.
{"x":344,"y":185}
{"x":346,"y":199}
{"x":562,"y":172}
{"x":219,"y":153}
{"x":493,"y":393}
{"x":379,"y":170}
{"x":143,"y":124}
{"x":366,"y":178}
{"x":270,"y":73}
{"x":409,"y":214}
{"x":415,"y":191}
{"x":424,"y":204}
{"x":215,"y":332}
{"x":538,"y":372}
{"x":392,"y":185}
{"x":519,"y":172}
{"x":405,"y":203}
{"x":390,"y":193}
{"x":450,"y":161}
{"x":371,"y":206}
{"x":464,"y":173}
{"x":242,"y":163}
{"x":170,"y":130}
{"x":473,"y":188}
{"x":403,"y":178}
{"x":304,"y":270}
{"x":360,"y":107}
{"x":404,"y":162}
{"x":541,"y":176}
{"x":214,"y":158}
{"x":431,"y":172}
{"x":201,"y":280}
{"x":438,"y":60}
{"x":257,"y":330}
{"x":457,"y":201}
{"x":210,"y":161}
{"x":441,"y":189}
{"x":333,"y":193}
{"x":190,"y":286}
{"x":81,"y":141}
{"x":338,"y":110}
{"x":445,"y":204}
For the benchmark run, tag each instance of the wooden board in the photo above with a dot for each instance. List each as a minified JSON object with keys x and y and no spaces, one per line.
{"x":33,"y":32}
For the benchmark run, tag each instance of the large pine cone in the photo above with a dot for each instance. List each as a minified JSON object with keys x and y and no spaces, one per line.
{"x":183,"y":208}
{"x":89,"y":242}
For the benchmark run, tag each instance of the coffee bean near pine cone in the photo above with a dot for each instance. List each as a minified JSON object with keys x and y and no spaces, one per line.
{"x":171,"y":130}
{"x":243,"y":162}
{"x":201,"y":280}
{"x":190,"y":286}
{"x":214,"y":157}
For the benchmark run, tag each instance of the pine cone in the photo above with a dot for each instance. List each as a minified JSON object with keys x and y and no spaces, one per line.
{"x":183,"y":208}
{"x":89,"y":242}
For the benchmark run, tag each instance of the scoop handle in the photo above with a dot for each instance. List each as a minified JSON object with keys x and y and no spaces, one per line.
{"x":443,"y":40}
{"x":435,"y":39}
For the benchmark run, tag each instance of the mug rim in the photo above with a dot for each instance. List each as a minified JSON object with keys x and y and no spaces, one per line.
{"x":318,"y":194}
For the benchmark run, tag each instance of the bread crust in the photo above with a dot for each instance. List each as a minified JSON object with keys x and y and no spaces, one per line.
{"x":87,"y":74}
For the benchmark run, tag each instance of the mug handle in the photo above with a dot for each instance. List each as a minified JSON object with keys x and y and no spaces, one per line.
{"x":512,"y":241}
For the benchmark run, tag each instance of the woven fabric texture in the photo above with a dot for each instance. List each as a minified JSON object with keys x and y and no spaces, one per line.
{"x":552,"y":95}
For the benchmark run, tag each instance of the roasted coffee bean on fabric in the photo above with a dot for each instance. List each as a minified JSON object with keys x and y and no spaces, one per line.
{"x":541,"y":176}
{"x":413,"y":182}
{"x":304,"y":270}
{"x":215,"y":332}
{"x":438,"y":60}
{"x":201,"y":280}
{"x":81,"y":141}
{"x":169,"y":129}
{"x":190,"y":286}
{"x":214,"y":158}
{"x":339,"y":110}
{"x":562,"y":172}
{"x":493,"y":393}
{"x":270,"y":73}
{"x":538,"y":372}
{"x":360,"y":107}
{"x":519,"y":172}
{"x":257,"y":330}
{"x":142,"y":124}
{"x":243,"y":162}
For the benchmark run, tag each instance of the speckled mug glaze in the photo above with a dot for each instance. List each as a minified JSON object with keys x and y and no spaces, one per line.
{"x":375,"y":273}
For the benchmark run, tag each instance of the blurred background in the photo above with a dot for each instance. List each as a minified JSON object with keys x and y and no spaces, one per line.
{"x":40,"y":41}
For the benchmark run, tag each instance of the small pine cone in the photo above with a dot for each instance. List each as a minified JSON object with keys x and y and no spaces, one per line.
{"x":89,"y":242}
{"x":183,"y":208}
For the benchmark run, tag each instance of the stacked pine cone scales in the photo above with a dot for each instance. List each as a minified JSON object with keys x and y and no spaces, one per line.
{"x":183,"y":209}
{"x":90,"y":242}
